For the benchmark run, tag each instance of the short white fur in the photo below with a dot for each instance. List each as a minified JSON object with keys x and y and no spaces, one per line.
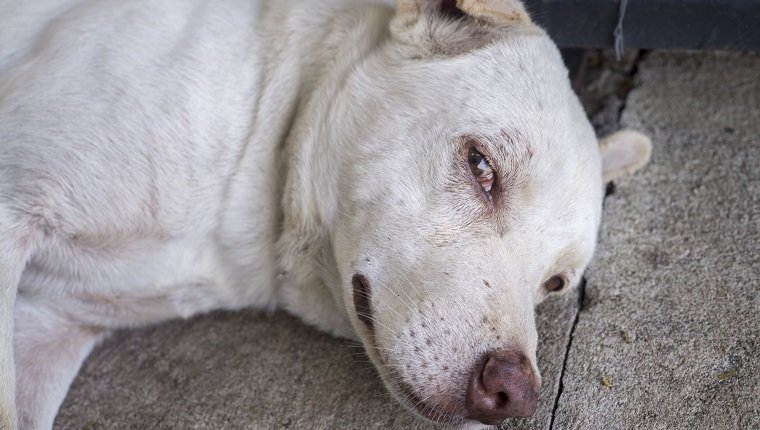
{"x":165,"y":159}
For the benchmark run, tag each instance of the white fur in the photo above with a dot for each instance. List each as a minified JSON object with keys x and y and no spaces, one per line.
{"x":161,"y":159}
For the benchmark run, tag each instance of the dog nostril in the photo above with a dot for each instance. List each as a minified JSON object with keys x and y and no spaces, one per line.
{"x":502,"y":386}
{"x":362,"y":298}
{"x":502,"y":399}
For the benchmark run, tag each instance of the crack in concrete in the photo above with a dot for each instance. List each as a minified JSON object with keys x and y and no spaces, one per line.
{"x":632,"y":76}
{"x":561,"y":388}
{"x":609,"y":190}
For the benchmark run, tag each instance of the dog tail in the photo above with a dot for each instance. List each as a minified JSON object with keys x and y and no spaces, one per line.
{"x":17,"y":242}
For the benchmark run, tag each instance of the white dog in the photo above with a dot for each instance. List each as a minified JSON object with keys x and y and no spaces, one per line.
{"x":418,"y":178}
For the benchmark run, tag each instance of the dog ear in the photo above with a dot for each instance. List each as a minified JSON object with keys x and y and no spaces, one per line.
{"x":451,"y":27}
{"x":624,"y":152}
{"x":496,"y":12}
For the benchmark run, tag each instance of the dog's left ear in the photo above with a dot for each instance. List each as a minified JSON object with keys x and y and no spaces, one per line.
{"x":450,"y":27}
{"x":495,"y":12}
{"x":624,"y":152}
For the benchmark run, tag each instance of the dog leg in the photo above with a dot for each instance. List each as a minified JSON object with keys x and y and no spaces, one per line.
{"x":16,"y":244}
{"x":49,"y":350}
{"x":9,"y":276}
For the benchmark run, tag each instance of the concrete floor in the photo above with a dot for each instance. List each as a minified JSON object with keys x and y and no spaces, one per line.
{"x":665,"y":333}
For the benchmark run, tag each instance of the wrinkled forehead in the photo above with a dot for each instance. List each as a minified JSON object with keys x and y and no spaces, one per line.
{"x":514,"y":92}
{"x":518,"y":84}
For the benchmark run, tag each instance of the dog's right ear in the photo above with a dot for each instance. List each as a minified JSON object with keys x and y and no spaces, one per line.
{"x":451,"y":27}
{"x":623,"y":153}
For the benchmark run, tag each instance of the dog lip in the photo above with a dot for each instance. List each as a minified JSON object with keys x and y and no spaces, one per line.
{"x":433,"y":413}
{"x":436,"y":413}
{"x":406,"y":393}
{"x":362,"y":295}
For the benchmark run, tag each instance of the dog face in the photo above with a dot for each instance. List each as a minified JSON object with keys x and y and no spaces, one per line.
{"x":459,"y":222}
{"x":475,"y":192}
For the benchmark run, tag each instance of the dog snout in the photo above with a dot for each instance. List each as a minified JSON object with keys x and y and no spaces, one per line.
{"x":502,"y":386}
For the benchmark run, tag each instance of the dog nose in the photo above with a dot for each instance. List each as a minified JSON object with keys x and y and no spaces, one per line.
{"x":502,"y":386}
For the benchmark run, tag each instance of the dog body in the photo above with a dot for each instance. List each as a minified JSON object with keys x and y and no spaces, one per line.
{"x":161,"y":171}
{"x":164,"y":159}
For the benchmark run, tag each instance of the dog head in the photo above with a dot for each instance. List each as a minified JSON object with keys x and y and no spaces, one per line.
{"x":468,"y":187}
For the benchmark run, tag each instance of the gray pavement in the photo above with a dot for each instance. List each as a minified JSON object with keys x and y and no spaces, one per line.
{"x":665,"y":333}
{"x":669,"y":333}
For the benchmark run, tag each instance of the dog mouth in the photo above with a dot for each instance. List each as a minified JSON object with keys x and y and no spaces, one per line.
{"x":446,"y":412}
{"x":362,"y":296}
{"x":442,"y":413}
{"x":434,"y":369}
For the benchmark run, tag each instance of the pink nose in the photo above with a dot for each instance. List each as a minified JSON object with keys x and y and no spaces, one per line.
{"x":503,"y":386}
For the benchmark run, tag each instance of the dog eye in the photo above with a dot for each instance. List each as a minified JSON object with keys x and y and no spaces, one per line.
{"x":555,"y":284}
{"x":481,"y":169}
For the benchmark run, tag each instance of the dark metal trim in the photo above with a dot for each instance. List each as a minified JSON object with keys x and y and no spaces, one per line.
{"x":649,"y":24}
